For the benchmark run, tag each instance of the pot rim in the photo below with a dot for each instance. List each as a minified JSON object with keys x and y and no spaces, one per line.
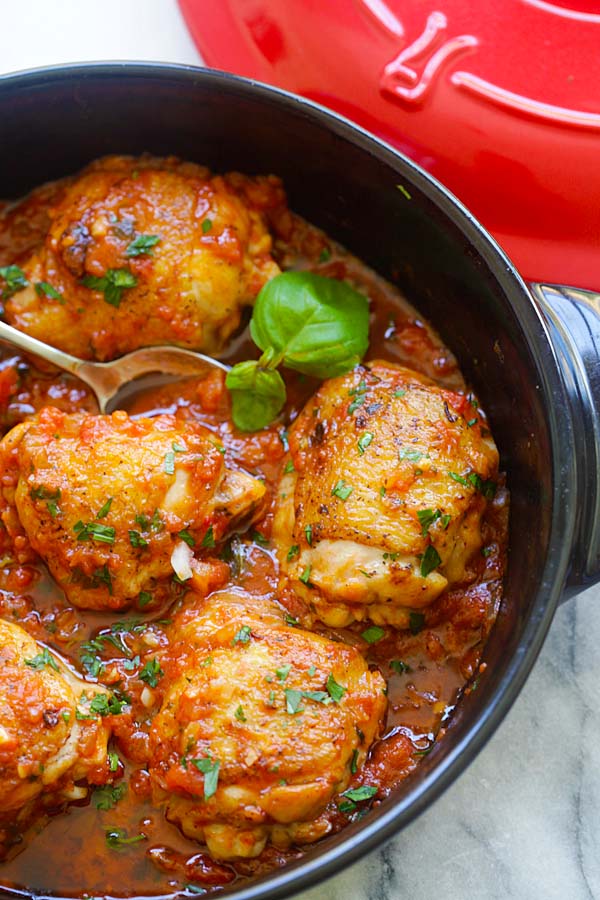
{"x":355,"y":841}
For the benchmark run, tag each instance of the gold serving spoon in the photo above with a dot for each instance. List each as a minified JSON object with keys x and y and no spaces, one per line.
{"x":115,"y":381}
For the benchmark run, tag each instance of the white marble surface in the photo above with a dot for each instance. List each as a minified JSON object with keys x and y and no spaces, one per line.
{"x":523,"y":822}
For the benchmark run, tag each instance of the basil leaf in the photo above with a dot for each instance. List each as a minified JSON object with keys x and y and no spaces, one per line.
{"x":257,"y":395}
{"x":315,"y":325}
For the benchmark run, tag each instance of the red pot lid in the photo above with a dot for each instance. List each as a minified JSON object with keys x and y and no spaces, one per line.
{"x":499,"y":101}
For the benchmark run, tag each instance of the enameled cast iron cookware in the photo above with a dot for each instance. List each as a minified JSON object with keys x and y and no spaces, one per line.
{"x":532,"y":355}
{"x":499,"y":101}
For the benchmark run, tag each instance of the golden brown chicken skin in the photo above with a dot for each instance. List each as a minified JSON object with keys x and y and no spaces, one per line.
{"x":114,"y":505}
{"x":50,"y":734}
{"x":262,"y":725}
{"x":145,"y":251}
{"x":383,"y":507}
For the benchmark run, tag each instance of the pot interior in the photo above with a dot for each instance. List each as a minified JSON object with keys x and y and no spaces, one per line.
{"x":343,"y":181}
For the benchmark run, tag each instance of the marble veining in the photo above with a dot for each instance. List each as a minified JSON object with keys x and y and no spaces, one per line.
{"x":523,"y":822}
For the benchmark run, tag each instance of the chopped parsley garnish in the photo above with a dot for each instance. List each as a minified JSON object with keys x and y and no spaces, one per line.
{"x":336,"y":691}
{"x":187,"y":537}
{"x":305,"y":576}
{"x":429,"y":561}
{"x":41,"y":660}
{"x":260,"y":539}
{"x":289,"y":467}
{"x":206,"y":226}
{"x":145,"y":523}
{"x":108,"y":796}
{"x":116,"y":838}
{"x":151,"y":672}
{"x":403,"y":191}
{"x":243,"y":635}
{"x":356,"y":795}
{"x":364,"y":792}
{"x":102,"y":576}
{"x":130,"y":664}
{"x":170,"y":463}
{"x":416,"y":621}
{"x":107,"y":706}
{"x":292,"y":701}
{"x":104,"y":510}
{"x":136,"y":540}
{"x":210,"y":769}
{"x":487,"y":488}
{"x":43,"y":289}
{"x":239,"y":714}
{"x":400,"y":667}
{"x":372,"y":634}
{"x":144,"y":598}
{"x":44,"y":493}
{"x":486,"y":551}
{"x":357,"y":403}
{"x":325,"y":255}
{"x":317,"y":696}
{"x":342,"y":490}
{"x":347,"y":806}
{"x":14,"y":278}
{"x":472,"y":422}
{"x":105,"y":534}
{"x":142,"y":245}
{"x":382,"y":491}
{"x":283,"y":672}
{"x":410,"y":455}
{"x":92,"y":664}
{"x":364,"y":441}
{"x":311,"y":671}
{"x":292,"y":552}
{"x":308,"y":534}
{"x":354,"y":761}
{"x":459,"y":478}
{"x":112,"y":284}
{"x":291,"y":621}
{"x":209,"y":538}
{"x":400,"y":392}
{"x":113,"y":761}
{"x":427,"y":517}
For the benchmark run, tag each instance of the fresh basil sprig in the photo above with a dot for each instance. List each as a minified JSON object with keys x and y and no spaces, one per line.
{"x":257,"y":394}
{"x":315,"y":325}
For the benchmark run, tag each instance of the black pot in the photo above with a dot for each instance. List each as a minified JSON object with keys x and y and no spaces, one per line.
{"x":532,"y":354}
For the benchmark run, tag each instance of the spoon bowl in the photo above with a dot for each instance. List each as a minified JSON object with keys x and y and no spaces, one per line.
{"x":115,"y":381}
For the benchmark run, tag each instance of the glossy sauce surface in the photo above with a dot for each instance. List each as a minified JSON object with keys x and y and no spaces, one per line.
{"x":427,"y":667}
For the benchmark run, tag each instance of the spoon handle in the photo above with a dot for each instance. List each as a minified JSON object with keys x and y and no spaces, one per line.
{"x":38,"y":348}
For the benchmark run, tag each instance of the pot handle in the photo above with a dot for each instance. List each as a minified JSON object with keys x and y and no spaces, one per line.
{"x":573,"y":317}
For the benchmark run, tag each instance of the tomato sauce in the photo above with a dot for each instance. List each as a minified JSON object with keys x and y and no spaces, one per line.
{"x":427,"y":668}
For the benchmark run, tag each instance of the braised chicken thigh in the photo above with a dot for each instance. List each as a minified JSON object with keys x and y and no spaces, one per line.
{"x":144,"y":251}
{"x":114,"y":505}
{"x":262,"y":727}
{"x":382,"y":507}
{"x":51,"y":730}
